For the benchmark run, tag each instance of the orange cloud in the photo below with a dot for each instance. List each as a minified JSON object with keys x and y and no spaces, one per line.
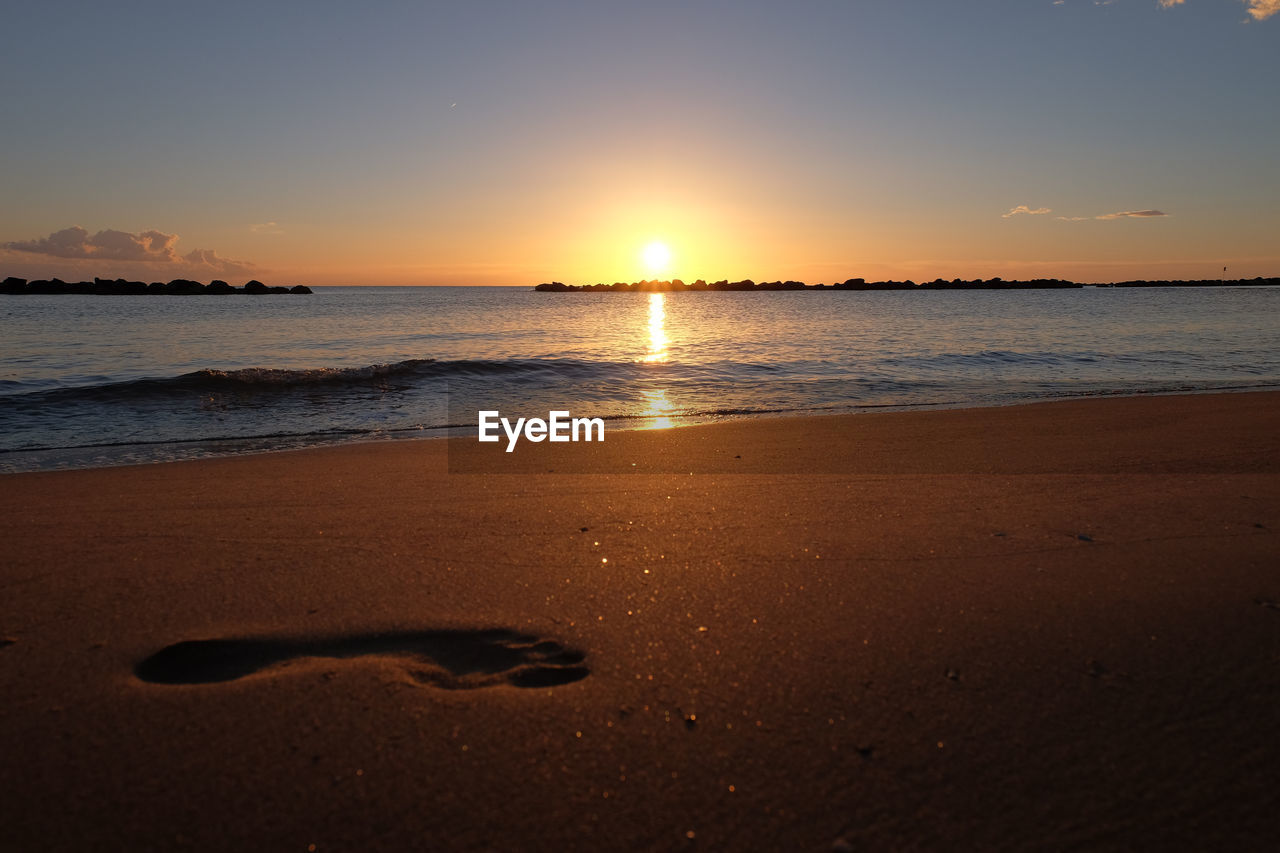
{"x":1260,"y":10}
{"x":1139,"y":214}
{"x":1022,"y":208}
{"x":153,"y":247}
{"x":108,"y":245}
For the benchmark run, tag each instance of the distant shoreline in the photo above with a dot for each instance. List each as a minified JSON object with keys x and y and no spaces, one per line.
{"x":13,"y":286}
{"x":678,"y":286}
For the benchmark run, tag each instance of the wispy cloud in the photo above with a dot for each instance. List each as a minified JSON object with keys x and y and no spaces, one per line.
{"x":1259,"y":10}
{"x":1022,"y":208}
{"x":1137,"y":214}
{"x":272,"y":227}
{"x":209,"y":261}
{"x":1123,"y":214}
{"x":151,"y":247}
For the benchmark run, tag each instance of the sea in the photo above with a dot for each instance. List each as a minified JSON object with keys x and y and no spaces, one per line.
{"x":90,"y":381}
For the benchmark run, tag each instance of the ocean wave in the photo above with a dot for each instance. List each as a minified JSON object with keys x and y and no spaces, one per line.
{"x":1071,"y":358}
{"x":997,"y":358}
{"x":252,"y":380}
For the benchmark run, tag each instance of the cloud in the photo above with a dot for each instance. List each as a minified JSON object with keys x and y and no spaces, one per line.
{"x":208,"y":260}
{"x":272,"y":227}
{"x":1074,"y":218}
{"x":1260,"y":10}
{"x":150,"y":247}
{"x":1138,"y":214}
{"x":108,"y":245}
{"x":1022,"y":208}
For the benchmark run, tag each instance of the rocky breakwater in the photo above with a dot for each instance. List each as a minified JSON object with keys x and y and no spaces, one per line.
{"x":678,"y":286}
{"x":121,"y":287}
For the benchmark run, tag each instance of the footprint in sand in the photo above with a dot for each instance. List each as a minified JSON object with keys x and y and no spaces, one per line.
{"x":455,"y":660}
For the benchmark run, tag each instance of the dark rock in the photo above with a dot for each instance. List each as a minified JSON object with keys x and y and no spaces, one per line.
{"x":996,"y":283}
{"x":118,"y":287}
{"x":183,"y":287}
{"x":851,"y":284}
{"x":299,"y":288}
{"x":13,"y":285}
{"x":256,"y":286}
{"x":219,"y":287}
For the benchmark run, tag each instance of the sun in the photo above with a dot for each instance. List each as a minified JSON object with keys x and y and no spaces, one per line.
{"x":656,"y":256}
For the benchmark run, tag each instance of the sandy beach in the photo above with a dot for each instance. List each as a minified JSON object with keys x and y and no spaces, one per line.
{"x":1050,"y":626}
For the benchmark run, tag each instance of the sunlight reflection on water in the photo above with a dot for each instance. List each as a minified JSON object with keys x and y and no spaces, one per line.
{"x":657,"y":328}
{"x":657,"y":407}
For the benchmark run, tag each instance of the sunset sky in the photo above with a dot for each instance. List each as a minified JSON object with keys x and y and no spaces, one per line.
{"x":519,"y":142}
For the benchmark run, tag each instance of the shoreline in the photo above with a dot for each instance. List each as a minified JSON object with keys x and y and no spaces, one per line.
{"x":630,"y":424}
{"x":1053,"y":625}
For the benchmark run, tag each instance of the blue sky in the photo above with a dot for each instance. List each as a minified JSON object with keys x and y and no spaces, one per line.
{"x":511,"y":143}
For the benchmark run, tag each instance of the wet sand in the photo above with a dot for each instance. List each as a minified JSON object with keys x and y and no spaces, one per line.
{"x":1051,"y":626}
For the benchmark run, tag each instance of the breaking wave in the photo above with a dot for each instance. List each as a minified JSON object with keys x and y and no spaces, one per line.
{"x":276,"y":379}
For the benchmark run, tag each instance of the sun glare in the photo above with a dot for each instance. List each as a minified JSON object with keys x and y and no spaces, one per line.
{"x":657,"y":257}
